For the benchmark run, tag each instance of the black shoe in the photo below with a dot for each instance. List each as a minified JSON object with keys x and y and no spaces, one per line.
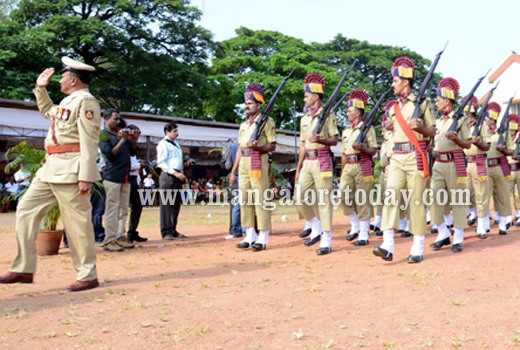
{"x":400,"y":231}
{"x":373,"y":228}
{"x":177,"y":234}
{"x":324,"y":251}
{"x":449,"y":227}
{"x":305,"y":233}
{"x":258,"y":246}
{"x":168,"y":237}
{"x":508,"y":225}
{"x":502,"y":232}
{"x":406,"y":234}
{"x":244,"y":245}
{"x":481,"y":235}
{"x":496,"y":222}
{"x":312,"y":241}
{"x":361,"y":242}
{"x":383,"y":253}
{"x":471,"y":222}
{"x":134,"y":236}
{"x":435,"y":231}
{"x":378,"y":232}
{"x":439,"y":244}
{"x":428,"y":222}
{"x":352,"y":236}
{"x":456,"y":248}
{"x":414,"y":259}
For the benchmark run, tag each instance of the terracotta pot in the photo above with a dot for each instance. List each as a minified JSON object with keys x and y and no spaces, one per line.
{"x":48,"y":242}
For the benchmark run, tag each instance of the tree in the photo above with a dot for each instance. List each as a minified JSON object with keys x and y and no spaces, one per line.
{"x":266,"y":56}
{"x":150,"y":56}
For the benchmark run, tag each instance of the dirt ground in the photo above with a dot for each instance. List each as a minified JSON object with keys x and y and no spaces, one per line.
{"x":203,"y":293}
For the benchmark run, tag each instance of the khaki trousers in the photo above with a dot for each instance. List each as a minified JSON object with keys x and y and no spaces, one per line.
{"x":499,"y":187}
{"x":479,"y":191}
{"x":403,"y":175}
{"x":514,"y":188}
{"x":352,"y":181}
{"x":76,"y":216}
{"x":116,"y":209}
{"x":310,"y":181}
{"x":444,"y":179}
{"x":253,"y":195}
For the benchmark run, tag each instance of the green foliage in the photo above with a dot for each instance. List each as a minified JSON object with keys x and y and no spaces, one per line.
{"x":150,"y":55}
{"x":25,"y":153}
{"x":266,"y":56}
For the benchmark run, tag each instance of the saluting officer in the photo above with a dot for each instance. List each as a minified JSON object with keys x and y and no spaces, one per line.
{"x":252,"y":164}
{"x":314,"y":171}
{"x":408,"y":168}
{"x":356,"y":164}
{"x":66,"y":177}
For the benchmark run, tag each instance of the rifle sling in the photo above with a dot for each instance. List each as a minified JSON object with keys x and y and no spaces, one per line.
{"x":411,"y":136}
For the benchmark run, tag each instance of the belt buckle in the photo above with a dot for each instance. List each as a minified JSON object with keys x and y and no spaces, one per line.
{"x":406,"y":147}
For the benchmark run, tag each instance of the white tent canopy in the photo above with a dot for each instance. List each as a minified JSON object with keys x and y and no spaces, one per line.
{"x":21,"y":119}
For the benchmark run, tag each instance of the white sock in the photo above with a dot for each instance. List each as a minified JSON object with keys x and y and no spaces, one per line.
{"x":418,"y":245}
{"x":316,"y":227}
{"x":443,"y":232}
{"x":472,"y":213}
{"x":517,"y":213}
{"x":364,"y":226}
{"x":263,"y":237}
{"x":434,"y":226}
{"x":458,"y":235}
{"x":448,"y":219}
{"x":407,"y":226}
{"x":428,"y":215}
{"x":354,"y":223}
{"x":481,"y":226}
{"x":497,"y":217}
{"x":509,"y":219}
{"x":307,"y":225}
{"x":377,"y":221}
{"x":502,"y":221}
{"x":402,"y":224}
{"x":251,"y":235}
{"x":388,"y":240}
{"x":326,"y":239}
{"x":487,"y":223}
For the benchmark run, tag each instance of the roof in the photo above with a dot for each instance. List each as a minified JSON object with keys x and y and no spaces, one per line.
{"x":512,"y":59}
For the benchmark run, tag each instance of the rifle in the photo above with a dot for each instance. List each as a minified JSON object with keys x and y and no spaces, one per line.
{"x":322,"y":118}
{"x":260,"y":123}
{"x":367,"y":123}
{"x":340,"y":101}
{"x":460,"y":111}
{"x":425,"y":84}
{"x":482,"y":113}
{"x":504,"y":125}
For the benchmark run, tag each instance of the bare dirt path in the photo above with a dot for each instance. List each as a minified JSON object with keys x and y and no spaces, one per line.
{"x":203,"y":293}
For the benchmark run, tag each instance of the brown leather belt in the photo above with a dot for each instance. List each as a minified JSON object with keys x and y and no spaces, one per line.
{"x":69,"y":147}
{"x":246,"y":151}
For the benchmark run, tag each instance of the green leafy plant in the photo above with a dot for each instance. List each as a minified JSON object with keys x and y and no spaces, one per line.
{"x":31,"y":157}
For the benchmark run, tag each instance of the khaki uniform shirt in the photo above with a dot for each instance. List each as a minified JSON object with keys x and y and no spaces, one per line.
{"x":493,"y":152}
{"x":350,"y":135}
{"x":407,"y":109}
{"x":268,"y":134}
{"x":307,"y":125}
{"x":76,"y":120}
{"x":443,"y":144}
{"x":484,"y":138}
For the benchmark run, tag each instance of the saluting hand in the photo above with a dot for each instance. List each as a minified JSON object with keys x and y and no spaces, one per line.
{"x":45,"y":77}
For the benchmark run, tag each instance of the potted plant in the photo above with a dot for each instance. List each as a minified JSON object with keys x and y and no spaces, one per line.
{"x":49,"y":238}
